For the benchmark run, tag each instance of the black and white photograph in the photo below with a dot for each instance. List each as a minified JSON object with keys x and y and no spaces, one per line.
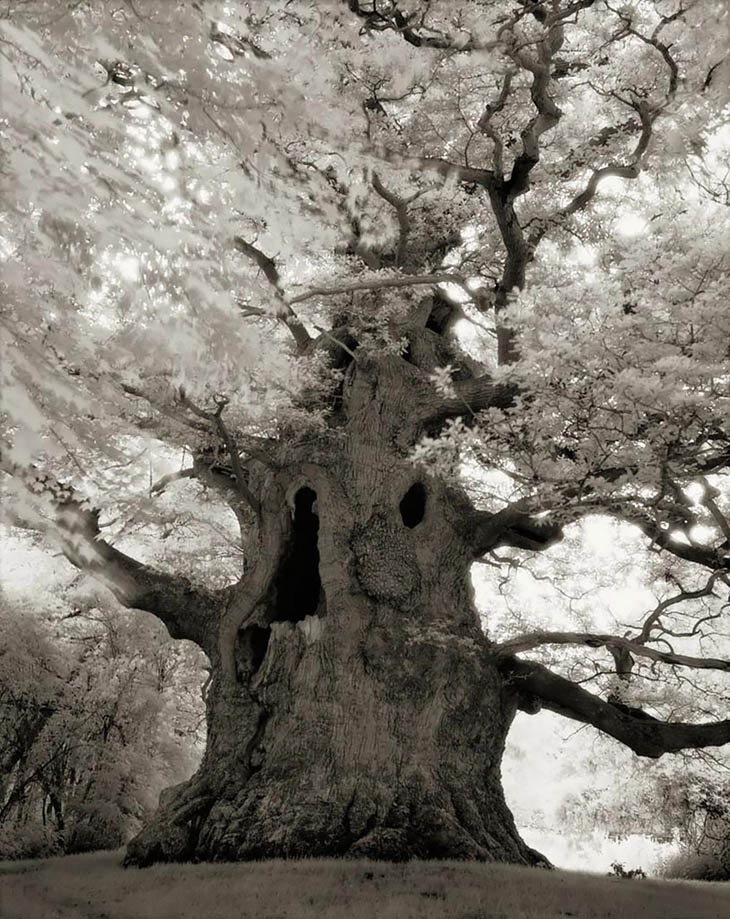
{"x":365,"y":459}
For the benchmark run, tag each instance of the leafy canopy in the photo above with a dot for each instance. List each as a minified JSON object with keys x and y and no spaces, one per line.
{"x":201,"y":195}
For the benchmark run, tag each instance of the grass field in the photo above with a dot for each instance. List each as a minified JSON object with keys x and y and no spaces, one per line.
{"x":95,"y":886}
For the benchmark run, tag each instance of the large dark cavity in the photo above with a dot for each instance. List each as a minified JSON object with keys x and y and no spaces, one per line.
{"x":413,"y":505}
{"x":298,"y":584}
{"x":440,"y":315}
{"x":297,"y":587}
{"x":253,"y":645}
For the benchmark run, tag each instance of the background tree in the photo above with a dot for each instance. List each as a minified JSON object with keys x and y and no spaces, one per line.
{"x":406,"y":286}
{"x":682,"y":801}
{"x":99,"y":714}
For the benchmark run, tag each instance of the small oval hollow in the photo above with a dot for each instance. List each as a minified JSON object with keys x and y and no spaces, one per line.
{"x":413,"y":505}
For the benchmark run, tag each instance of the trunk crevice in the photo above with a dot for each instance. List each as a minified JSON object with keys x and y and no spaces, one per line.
{"x":298,"y":584}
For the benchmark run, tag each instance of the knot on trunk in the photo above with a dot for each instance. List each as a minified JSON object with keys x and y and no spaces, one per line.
{"x":386,"y":564}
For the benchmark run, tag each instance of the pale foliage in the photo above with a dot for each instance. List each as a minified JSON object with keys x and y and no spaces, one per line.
{"x":99,"y":713}
{"x":139,"y":139}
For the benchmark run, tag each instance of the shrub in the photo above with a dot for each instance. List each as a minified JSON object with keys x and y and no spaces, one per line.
{"x":695,"y":866}
{"x":30,"y":840}
{"x":618,"y":871}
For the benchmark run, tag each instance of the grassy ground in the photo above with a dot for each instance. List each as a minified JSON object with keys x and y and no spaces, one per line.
{"x":96,"y":887}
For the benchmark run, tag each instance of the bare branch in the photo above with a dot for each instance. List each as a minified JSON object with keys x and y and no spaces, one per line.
{"x":539,"y":638}
{"x":654,"y":619}
{"x":401,"y":209}
{"x":645,"y":735}
{"x":217,"y":420}
{"x":415,"y":280}
{"x":285,"y":313}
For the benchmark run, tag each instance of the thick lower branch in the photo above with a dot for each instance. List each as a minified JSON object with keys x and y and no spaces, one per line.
{"x":187,"y":611}
{"x":645,"y":735}
{"x":467,"y":398}
{"x":512,"y":526}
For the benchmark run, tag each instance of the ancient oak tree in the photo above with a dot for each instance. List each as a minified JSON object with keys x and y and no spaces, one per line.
{"x":410,"y":285}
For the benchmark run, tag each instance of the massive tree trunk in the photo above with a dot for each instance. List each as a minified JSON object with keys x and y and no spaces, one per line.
{"x":355,"y":706}
{"x":354,"y":709}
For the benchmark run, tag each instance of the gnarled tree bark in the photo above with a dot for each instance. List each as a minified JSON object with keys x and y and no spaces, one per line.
{"x":353,"y":710}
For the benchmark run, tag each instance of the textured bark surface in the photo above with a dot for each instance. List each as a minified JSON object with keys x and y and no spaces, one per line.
{"x":354,"y":709}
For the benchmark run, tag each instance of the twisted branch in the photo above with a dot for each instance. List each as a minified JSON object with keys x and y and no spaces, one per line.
{"x":539,"y":638}
{"x":284,"y":313}
{"x":645,"y":735}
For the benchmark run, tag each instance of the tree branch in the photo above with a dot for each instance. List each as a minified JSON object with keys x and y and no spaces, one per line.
{"x":468,"y":175}
{"x":647,"y":115}
{"x":419,"y":36}
{"x":713,"y":558}
{"x":708,"y":500}
{"x":547,"y":114}
{"x":628,"y":170}
{"x":486,"y":127}
{"x":187,"y":611}
{"x":504,"y":192}
{"x":284,"y":313}
{"x":653,"y":620}
{"x":513,"y":526}
{"x":645,"y":735}
{"x":161,"y":484}
{"x":172,"y":412}
{"x":466,"y":397}
{"x":415,"y":280}
{"x":257,"y":448}
{"x":400,"y":206}
{"x":538,"y":638}
{"x":216,"y":419}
